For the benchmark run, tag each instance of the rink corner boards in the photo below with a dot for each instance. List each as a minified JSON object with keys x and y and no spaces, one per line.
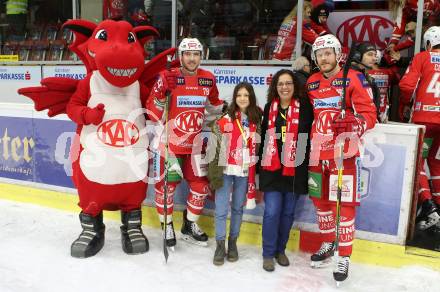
{"x":364,"y":251}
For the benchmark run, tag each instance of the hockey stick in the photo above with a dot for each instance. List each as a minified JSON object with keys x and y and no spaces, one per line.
{"x":340,"y":165}
{"x":165,"y":180}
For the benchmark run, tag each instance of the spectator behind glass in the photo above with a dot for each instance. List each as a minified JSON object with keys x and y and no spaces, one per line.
{"x":320,"y":12}
{"x":199,"y":16}
{"x":286,"y":41}
{"x":301,"y":69}
{"x":16,"y":17}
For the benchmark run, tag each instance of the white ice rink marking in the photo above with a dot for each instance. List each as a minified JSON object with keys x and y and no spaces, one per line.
{"x":35,"y":256}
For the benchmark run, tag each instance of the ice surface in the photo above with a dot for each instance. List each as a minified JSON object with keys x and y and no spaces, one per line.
{"x":35,"y":256}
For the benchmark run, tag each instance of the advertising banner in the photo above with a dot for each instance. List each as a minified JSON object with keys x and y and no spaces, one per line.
{"x":14,"y":77}
{"x":361,"y":26}
{"x":228,"y":77}
{"x":74,"y":72}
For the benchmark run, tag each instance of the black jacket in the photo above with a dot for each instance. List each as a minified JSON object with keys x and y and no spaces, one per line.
{"x":274,"y":180}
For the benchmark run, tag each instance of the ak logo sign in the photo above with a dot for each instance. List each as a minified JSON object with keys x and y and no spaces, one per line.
{"x":118,"y":133}
{"x":365,"y":28}
{"x":189,"y":121}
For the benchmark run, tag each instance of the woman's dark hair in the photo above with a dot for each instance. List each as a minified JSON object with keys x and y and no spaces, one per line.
{"x":253,"y":111}
{"x":272,"y":92}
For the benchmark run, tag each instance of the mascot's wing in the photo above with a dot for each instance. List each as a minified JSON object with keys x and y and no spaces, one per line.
{"x":157,"y":64}
{"x":53,"y":94}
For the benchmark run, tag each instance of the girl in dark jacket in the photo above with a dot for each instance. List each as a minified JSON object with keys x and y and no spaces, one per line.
{"x":287,"y":120}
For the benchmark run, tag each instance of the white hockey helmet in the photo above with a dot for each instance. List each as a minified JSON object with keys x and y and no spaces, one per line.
{"x":432,"y":35}
{"x":327,"y":41}
{"x":190,"y":44}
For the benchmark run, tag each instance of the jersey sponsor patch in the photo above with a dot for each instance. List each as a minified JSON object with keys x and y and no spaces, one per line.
{"x":191,"y":101}
{"x":347,"y":188}
{"x":339,"y":82}
{"x":180,"y":80}
{"x":329,"y":102}
{"x":435,"y":59}
{"x":431,"y":108}
{"x":313,"y":85}
{"x":381,"y":81}
{"x":206,"y":82}
{"x":363,"y":80}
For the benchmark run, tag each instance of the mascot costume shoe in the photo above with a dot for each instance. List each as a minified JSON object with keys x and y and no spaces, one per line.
{"x":109,"y":155}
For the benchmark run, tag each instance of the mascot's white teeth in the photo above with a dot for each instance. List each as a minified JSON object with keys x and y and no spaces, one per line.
{"x":91,"y":53}
{"x":122,"y":72}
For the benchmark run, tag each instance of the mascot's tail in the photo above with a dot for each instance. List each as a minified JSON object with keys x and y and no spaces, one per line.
{"x":53,"y":94}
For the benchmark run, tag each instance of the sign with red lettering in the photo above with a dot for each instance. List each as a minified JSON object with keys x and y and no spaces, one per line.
{"x":375,"y":27}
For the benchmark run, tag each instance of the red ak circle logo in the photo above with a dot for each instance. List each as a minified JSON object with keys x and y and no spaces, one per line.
{"x":118,"y":133}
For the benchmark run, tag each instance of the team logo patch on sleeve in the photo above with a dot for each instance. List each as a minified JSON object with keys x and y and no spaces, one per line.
{"x":339,"y":82}
{"x":180,"y":80}
{"x":313,"y":85}
{"x":206,"y":82}
{"x":363,"y":80}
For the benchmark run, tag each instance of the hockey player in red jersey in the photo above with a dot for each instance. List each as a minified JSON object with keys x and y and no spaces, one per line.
{"x":286,"y":40}
{"x":423,"y":77}
{"x":192,"y":91}
{"x":325,"y":89}
{"x":384,"y":78}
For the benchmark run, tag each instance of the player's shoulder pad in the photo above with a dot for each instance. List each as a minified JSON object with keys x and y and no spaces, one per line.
{"x":353,"y":74}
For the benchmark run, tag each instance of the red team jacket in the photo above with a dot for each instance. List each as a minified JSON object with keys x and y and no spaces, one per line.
{"x":325,"y":96}
{"x":384,"y":78}
{"x":286,"y":40}
{"x":423,"y":76}
{"x":189,"y":100}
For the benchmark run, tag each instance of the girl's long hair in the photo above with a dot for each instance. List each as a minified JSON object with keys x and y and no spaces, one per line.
{"x":253,"y":111}
{"x":272,"y":92}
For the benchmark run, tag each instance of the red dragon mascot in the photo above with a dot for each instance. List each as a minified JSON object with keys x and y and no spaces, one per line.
{"x":109,"y":156}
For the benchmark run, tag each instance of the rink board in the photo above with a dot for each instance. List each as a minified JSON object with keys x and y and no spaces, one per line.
{"x":386,"y":187}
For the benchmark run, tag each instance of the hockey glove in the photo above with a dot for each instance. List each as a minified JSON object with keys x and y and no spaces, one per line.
{"x":349,"y":124}
{"x":94,"y":115}
{"x":170,"y":80}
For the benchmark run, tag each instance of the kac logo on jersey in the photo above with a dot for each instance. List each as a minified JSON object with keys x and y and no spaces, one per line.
{"x":325,"y":120}
{"x":329,"y":102}
{"x":191,"y":101}
{"x":189,"y":121}
{"x":118,"y":133}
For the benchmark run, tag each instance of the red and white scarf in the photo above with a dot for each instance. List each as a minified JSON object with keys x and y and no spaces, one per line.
{"x":271,"y":160}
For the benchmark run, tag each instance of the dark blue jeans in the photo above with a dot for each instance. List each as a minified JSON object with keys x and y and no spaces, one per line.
{"x":279,"y":212}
